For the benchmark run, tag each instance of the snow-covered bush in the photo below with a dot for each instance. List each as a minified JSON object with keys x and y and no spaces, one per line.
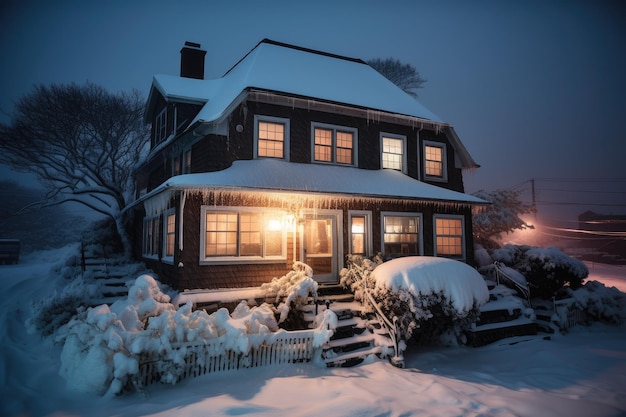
{"x":546,"y":270}
{"x":435,"y":295}
{"x":291,"y":290}
{"x":599,"y":302}
{"x":103,"y":345}
{"x":357,"y":274}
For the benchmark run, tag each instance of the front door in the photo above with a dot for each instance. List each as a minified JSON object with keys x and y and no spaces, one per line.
{"x":320,"y":246}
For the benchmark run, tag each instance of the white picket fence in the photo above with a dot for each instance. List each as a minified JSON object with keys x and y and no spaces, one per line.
{"x":200,"y":359}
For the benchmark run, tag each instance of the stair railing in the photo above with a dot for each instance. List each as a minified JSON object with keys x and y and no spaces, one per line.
{"x":524,"y":290}
{"x":390,"y":326}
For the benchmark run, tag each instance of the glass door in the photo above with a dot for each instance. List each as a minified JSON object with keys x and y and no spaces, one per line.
{"x":320,"y":246}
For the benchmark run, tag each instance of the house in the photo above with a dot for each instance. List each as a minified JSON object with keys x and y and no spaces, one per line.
{"x":292,"y":155}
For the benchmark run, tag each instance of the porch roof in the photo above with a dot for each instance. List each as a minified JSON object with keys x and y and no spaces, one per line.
{"x":282,"y":176}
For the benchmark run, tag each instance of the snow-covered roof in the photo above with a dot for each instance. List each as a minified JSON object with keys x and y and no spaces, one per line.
{"x":282,"y":68}
{"x":278,"y":175}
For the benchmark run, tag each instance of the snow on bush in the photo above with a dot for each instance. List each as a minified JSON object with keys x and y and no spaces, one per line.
{"x":599,"y":302}
{"x":103,"y":345}
{"x":546,"y":270}
{"x":434,"y":295}
{"x":292,"y":289}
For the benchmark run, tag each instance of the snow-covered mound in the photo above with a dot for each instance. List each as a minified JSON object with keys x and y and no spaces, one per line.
{"x":459,"y":282}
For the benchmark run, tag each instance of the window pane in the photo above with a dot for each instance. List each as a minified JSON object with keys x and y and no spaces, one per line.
{"x":323,"y":145}
{"x":449,"y":236}
{"x":433,"y":156}
{"x":171,"y":228}
{"x":271,"y":139}
{"x":357,"y":230}
{"x":250,"y":234}
{"x":221,"y":234}
{"x":392,"y":153}
{"x":345,"y":142}
{"x":401,"y":235}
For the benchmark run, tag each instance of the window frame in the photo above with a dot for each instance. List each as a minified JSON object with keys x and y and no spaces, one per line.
{"x":275,"y":120}
{"x":266,"y":214}
{"x":386,"y":135}
{"x":168,"y":258}
{"x":444,"y":164}
{"x":160,"y":126}
{"x":150,"y":242}
{"x":420,"y":231}
{"x":462,"y":255}
{"x":334,"y":147}
{"x":367,"y":240}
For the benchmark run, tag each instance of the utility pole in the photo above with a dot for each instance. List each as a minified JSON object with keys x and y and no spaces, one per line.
{"x":532,"y":189}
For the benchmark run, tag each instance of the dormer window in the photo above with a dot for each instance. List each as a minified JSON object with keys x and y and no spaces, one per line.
{"x":435,"y":161}
{"x":334,"y":144}
{"x":393,"y":155}
{"x":271,"y":137}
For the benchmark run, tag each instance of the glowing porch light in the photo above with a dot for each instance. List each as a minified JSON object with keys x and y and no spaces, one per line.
{"x":274,"y":225}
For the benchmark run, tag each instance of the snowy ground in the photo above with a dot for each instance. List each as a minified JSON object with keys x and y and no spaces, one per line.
{"x":582,"y":373}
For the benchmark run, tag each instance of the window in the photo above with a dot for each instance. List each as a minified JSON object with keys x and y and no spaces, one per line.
{"x":449,"y":236}
{"x":150,"y":242}
{"x":401,"y":234}
{"x":187,"y":161}
{"x":334,"y":144}
{"x":160,"y":126}
{"x":435,"y":161}
{"x":360,"y":235}
{"x":169,"y":233}
{"x":242,"y":233}
{"x":393,"y":155}
{"x":272,"y":137}
{"x":176,"y":166}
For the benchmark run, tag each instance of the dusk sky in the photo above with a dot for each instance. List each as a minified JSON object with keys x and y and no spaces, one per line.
{"x":535,"y":89}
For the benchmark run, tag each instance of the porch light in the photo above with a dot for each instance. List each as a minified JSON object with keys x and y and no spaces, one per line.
{"x":274,"y":225}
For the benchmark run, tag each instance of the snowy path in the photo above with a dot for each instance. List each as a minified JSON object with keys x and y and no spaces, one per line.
{"x":582,"y":373}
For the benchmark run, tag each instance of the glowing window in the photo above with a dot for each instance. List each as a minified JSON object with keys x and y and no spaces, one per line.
{"x":333,"y":144}
{"x":435,"y":161}
{"x":393,"y":153}
{"x":401,"y":234}
{"x":271,"y":141}
{"x":170,"y":231}
{"x":449,"y":236}
{"x":243,"y":233}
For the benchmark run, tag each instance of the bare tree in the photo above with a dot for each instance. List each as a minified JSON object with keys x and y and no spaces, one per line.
{"x":81,"y":141}
{"x":404,"y":76}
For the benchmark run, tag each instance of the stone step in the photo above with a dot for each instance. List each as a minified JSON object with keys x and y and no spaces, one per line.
{"x":352,"y":358}
{"x":489,"y":333}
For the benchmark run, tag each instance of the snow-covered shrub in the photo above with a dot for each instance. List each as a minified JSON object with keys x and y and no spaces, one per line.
{"x":103,"y":345}
{"x":599,"y":302}
{"x":291,"y":290}
{"x":55,"y":310}
{"x":546,"y":270}
{"x":434,"y":295}
{"x":357,"y":274}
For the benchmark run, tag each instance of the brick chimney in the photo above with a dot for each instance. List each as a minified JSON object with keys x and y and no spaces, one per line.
{"x":192,"y":61}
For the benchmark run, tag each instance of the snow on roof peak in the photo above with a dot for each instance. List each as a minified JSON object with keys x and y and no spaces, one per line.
{"x":288,"y":69}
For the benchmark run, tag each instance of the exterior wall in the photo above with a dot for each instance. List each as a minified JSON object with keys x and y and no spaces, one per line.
{"x":186,"y":271}
{"x":217,"y":152}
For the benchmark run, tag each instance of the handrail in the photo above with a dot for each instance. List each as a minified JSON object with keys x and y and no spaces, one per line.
{"x":500,"y":272}
{"x":392,"y":328}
